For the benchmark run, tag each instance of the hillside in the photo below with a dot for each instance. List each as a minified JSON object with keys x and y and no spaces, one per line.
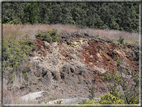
{"x":68,"y":65}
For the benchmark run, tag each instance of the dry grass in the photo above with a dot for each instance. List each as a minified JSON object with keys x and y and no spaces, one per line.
{"x":30,"y":30}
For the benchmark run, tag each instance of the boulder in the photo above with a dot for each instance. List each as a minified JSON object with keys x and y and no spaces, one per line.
{"x":31,"y":96}
{"x":46,"y":45}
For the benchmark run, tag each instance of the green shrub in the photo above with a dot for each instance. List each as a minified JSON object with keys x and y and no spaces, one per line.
{"x":121,"y":40}
{"x":49,"y":35}
{"x":91,"y":102}
{"x":131,"y":92}
{"x":15,"y":52}
{"x":111,"y":99}
{"x":107,"y":99}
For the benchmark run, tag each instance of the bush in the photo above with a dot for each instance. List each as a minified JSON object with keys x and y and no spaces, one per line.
{"x":91,"y":102}
{"x":49,"y":35}
{"x":111,"y":99}
{"x":131,"y":91}
{"x":15,"y":52}
{"x":108,"y":99}
{"x":121,"y":40}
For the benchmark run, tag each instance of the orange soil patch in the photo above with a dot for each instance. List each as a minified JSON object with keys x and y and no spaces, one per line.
{"x":91,"y":58}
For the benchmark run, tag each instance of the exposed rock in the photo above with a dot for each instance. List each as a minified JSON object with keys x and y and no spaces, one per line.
{"x":46,"y":45}
{"x":67,"y":70}
{"x":32,"y":96}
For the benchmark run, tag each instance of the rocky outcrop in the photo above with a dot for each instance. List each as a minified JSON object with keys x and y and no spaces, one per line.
{"x":69,"y":68}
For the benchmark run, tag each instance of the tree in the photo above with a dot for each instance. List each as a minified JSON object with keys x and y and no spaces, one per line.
{"x":12,"y":12}
{"x":56,"y":14}
{"x":31,"y":11}
{"x":66,"y":14}
{"x":118,"y":16}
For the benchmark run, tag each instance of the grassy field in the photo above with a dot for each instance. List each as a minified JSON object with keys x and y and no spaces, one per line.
{"x":30,"y":30}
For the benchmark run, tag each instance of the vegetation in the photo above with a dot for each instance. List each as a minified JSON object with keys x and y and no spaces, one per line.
{"x":49,"y":36}
{"x":117,"y":16}
{"x":15,"y":51}
{"x":92,"y":95}
{"x":130,"y":96}
{"x":121,"y":40}
{"x":40,"y":79}
{"x":121,"y":87}
{"x":130,"y":90}
{"x":108,"y":99}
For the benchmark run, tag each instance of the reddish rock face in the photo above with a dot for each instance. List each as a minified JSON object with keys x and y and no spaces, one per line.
{"x":103,"y":54}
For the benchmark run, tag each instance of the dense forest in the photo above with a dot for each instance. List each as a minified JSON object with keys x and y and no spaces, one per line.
{"x":117,"y":16}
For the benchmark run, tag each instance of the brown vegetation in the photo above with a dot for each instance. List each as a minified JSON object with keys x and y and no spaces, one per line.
{"x":22,"y":30}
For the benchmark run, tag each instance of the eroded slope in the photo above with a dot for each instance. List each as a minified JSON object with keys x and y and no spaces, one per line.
{"x":69,"y":68}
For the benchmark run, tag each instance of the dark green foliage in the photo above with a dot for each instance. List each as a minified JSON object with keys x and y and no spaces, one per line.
{"x":31,"y":11}
{"x":117,"y":16}
{"x":12,"y":13}
{"x":49,"y":35}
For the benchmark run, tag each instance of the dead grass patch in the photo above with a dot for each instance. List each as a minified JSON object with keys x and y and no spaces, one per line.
{"x":30,"y":30}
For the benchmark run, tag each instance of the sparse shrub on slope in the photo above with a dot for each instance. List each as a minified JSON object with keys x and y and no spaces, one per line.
{"x":49,"y":35}
{"x":92,"y":95}
{"x":121,"y":40}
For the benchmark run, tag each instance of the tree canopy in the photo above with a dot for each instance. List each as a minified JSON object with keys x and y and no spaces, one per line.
{"x":117,"y":16}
